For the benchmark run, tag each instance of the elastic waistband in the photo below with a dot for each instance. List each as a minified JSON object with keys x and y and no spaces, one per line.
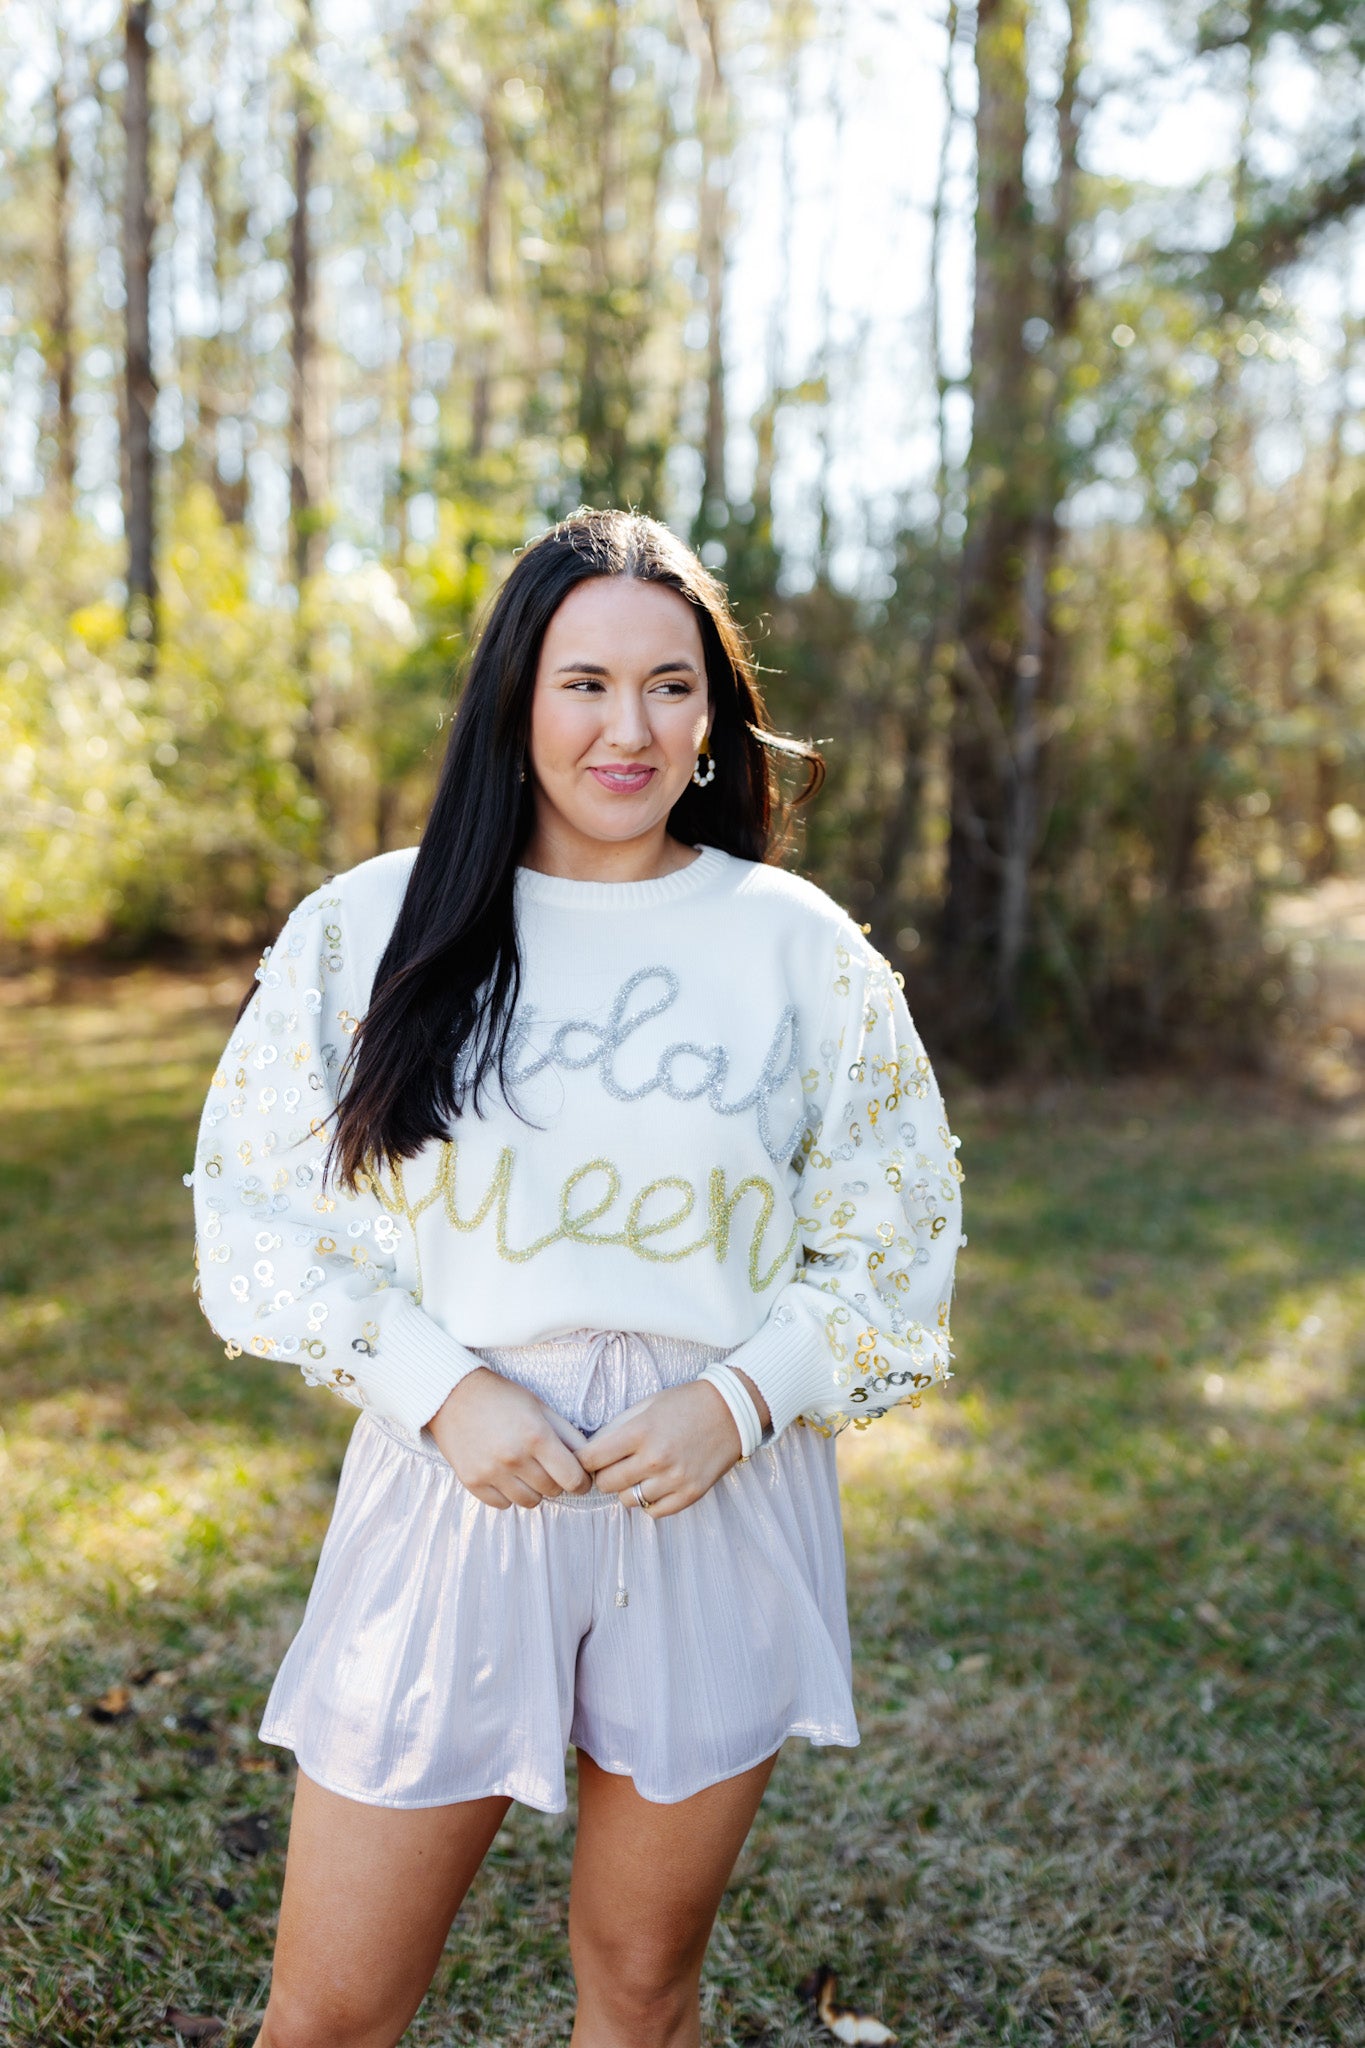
{"x":672,"y":1359}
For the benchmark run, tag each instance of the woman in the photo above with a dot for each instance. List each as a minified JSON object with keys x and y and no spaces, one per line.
{"x":588,"y":1156}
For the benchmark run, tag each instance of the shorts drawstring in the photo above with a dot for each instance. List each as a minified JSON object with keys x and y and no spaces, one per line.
{"x":622,"y":1596}
{"x":595,"y":1352}
{"x":599,"y":1346}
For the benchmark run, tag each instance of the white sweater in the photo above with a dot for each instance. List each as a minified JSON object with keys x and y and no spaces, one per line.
{"x":729,"y":1131}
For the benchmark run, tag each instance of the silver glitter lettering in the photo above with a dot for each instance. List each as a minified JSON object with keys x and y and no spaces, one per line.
{"x":600,"y":1045}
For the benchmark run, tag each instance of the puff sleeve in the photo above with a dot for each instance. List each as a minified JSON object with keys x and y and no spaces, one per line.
{"x":289,"y":1267}
{"x":863,"y":1325}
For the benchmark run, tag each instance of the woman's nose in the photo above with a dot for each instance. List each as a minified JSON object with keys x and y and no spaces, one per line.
{"x":626,"y":724}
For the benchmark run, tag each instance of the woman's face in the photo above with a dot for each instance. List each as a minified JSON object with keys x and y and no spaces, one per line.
{"x":619,"y":713}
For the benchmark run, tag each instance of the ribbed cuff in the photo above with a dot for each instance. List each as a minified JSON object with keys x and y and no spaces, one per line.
{"x":790,"y":1366}
{"x":416,"y":1365}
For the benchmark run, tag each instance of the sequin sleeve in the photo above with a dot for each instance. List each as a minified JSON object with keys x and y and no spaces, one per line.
{"x":289,"y":1266}
{"x":863,"y":1326}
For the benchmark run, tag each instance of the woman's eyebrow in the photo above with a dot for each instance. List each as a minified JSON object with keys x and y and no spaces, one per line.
{"x":595,"y":668}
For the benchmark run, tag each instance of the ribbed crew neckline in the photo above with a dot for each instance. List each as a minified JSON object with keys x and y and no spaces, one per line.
{"x":565,"y":894}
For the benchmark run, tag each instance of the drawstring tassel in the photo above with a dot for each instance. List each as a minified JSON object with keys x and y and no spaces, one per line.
{"x":622,"y":1596}
{"x":601,"y":1344}
{"x":591,"y":1401}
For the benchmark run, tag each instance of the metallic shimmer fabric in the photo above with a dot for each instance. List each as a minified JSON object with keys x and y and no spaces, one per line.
{"x":451,"y":1650}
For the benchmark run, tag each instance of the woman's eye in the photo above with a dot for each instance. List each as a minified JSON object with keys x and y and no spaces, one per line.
{"x":675,"y":689}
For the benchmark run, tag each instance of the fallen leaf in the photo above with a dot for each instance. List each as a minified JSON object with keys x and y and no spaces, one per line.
{"x":249,"y":1834}
{"x":1206,"y":1612}
{"x":978,"y":1661}
{"x":114,"y":1705}
{"x":821,"y":1989}
{"x":194,"y":2026}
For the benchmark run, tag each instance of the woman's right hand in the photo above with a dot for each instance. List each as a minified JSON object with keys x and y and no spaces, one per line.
{"x":504,"y":1446}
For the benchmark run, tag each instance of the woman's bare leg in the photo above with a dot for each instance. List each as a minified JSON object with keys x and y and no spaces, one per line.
{"x":647,"y":1880}
{"x":369,"y":1895}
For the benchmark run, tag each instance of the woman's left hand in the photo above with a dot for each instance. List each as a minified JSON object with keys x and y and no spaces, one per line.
{"x":675,"y":1446}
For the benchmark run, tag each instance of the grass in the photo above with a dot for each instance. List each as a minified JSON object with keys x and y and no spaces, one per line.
{"x":1106,"y":1598}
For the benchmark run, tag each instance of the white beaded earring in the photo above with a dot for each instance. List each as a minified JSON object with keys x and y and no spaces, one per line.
{"x":704,"y":759}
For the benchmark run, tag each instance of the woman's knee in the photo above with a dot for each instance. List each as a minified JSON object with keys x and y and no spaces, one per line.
{"x":639,"y":2015}
{"x":324,"y":2023}
{"x":646,"y":1986}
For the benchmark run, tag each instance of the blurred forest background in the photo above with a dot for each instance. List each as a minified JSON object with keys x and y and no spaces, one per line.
{"x":1007,"y":362}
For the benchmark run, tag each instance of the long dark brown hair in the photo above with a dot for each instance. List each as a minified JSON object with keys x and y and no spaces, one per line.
{"x":435,"y":1032}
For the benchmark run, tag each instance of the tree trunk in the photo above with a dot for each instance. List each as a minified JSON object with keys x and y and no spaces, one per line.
{"x":61,"y":362}
{"x":601,"y":401}
{"x":140,"y":385}
{"x":218,"y":400}
{"x":1035,"y":684}
{"x":303,"y":507}
{"x":1329,"y":751}
{"x":701,"y":24}
{"x":1001,"y":496}
{"x":490,"y":187}
{"x":608,"y":322}
{"x":1178,"y":953}
{"x":760,"y":552}
{"x":1021,"y":809}
{"x":825,"y":315}
{"x":901,"y":826}
{"x":304,"y":438}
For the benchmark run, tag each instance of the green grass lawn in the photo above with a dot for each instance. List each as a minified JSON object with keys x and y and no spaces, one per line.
{"x":1106,"y":1597}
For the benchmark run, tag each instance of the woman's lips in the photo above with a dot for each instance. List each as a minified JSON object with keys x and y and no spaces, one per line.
{"x":624,"y":781}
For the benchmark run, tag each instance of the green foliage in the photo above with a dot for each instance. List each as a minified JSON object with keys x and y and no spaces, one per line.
{"x":513,"y":298}
{"x":138,"y":799}
{"x":169,"y":800}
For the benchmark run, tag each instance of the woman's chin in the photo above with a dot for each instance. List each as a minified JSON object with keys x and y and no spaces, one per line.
{"x":620,"y":829}
{"x":617,"y":819}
